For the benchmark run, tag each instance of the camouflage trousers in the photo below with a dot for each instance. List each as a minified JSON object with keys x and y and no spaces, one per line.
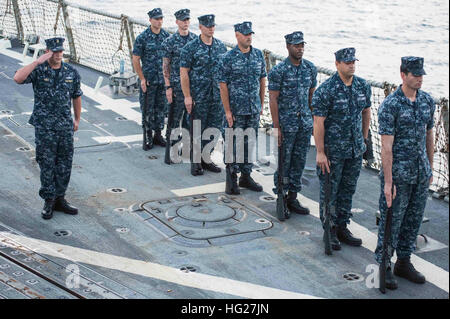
{"x":243,"y":122}
{"x":54,"y":154}
{"x":295,"y":148}
{"x":211,"y":116}
{"x":155,"y":112}
{"x":407,"y":214}
{"x":344,"y":177}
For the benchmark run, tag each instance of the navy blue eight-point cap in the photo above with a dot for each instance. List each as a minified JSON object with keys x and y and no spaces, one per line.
{"x":245,"y":27}
{"x":155,"y":13}
{"x":346,"y":55}
{"x":55,"y":44}
{"x":183,"y":14}
{"x":414,"y":65}
{"x":207,"y":20}
{"x":294,"y":38}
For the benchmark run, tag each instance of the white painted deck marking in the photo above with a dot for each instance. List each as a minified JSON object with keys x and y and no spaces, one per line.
{"x":203,"y":189}
{"x":122,"y":107}
{"x":156,"y":271}
{"x":123,"y":139}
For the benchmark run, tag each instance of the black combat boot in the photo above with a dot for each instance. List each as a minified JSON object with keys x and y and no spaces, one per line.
{"x":147,"y":143}
{"x":196,"y":169}
{"x":247,"y":181}
{"x":335,"y":244}
{"x":211,"y":167}
{"x":158,"y":139}
{"x":47,"y":211}
{"x":347,"y":237}
{"x":61,"y":205}
{"x":231,"y":185}
{"x":403,"y":268}
{"x":294,"y":205}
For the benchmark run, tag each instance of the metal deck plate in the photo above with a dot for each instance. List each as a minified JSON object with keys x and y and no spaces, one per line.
{"x":204,"y":220}
{"x":91,"y":284}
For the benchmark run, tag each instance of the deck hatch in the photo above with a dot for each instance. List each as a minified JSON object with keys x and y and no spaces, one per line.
{"x":205,"y":220}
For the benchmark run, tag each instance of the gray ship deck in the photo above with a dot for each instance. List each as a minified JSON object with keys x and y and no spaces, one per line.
{"x":146,"y":242}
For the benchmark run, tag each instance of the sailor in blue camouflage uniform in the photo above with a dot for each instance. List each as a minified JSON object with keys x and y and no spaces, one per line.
{"x":199,"y":68}
{"x":341,"y":109}
{"x":148,"y":50}
{"x":56,"y":84}
{"x":242,"y":80}
{"x":292,"y":83}
{"x":406,"y":120}
{"x":171,"y":66}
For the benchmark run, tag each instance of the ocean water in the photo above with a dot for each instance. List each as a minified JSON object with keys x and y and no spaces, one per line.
{"x":382,"y":32}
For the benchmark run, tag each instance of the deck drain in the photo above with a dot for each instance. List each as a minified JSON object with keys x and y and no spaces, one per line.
{"x":262,"y":221}
{"x":231,"y":231}
{"x":187,"y":232}
{"x":6,"y":112}
{"x":180,"y":253}
{"x":267,"y":199}
{"x":122,"y":230}
{"x":153,"y":157}
{"x":23,"y":149}
{"x":353,"y":277}
{"x":121,"y":118}
{"x":188,"y":269}
{"x":62,"y":233}
{"x":121,"y":210}
{"x":116,"y":190}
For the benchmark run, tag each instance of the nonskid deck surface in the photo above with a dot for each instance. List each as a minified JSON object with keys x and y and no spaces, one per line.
{"x":149,"y":230}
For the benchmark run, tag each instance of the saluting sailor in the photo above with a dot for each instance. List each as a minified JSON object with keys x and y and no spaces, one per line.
{"x":56,"y":87}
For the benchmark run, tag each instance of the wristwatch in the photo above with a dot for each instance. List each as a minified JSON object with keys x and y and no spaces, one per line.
{"x":168,"y":87}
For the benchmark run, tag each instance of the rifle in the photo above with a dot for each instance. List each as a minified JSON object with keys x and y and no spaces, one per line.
{"x":282,"y":211}
{"x":387,"y":237}
{"x":229,"y":180}
{"x":169,"y":131}
{"x":368,"y":154}
{"x":144,"y":120}
{"x":194,"y":167}
{"x":327,"y":215}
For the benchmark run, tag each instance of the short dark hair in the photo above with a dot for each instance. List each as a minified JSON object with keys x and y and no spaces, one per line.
{"x":403,"y":69}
